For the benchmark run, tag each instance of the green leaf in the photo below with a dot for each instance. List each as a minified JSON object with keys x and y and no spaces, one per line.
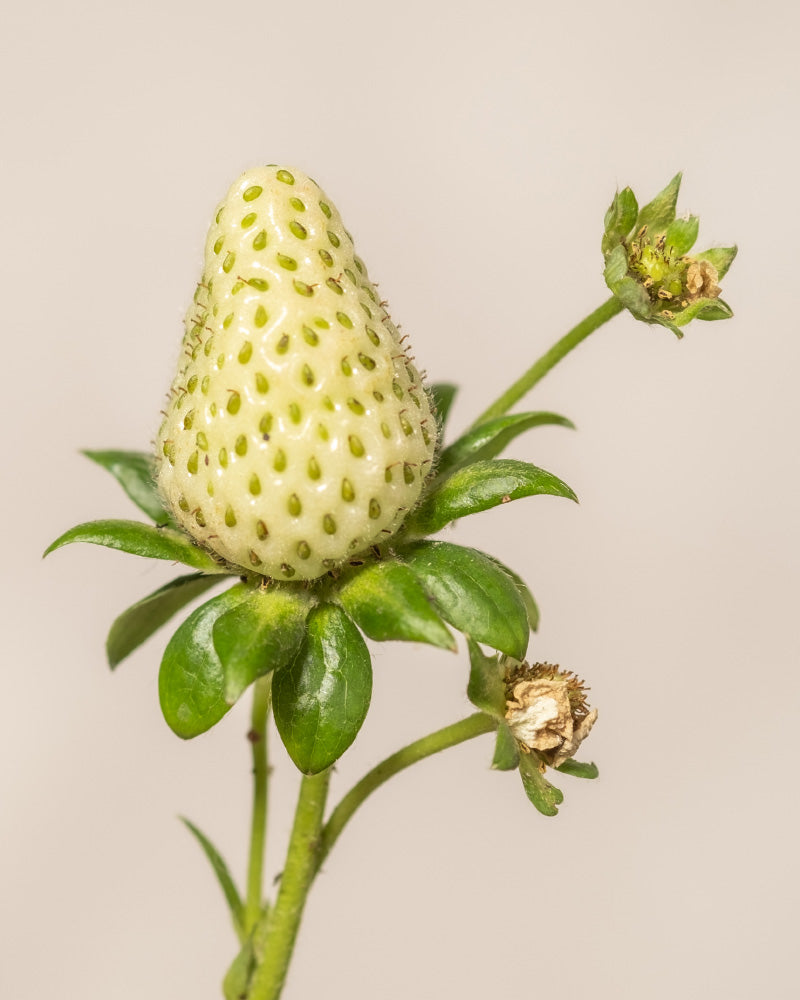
{"x":224,"y":878}
{"x":620,"y":219}
{"x":681,"y":234}
{"x":506,"y":750}
{"x":321,"y":699}
{"x":472,"y":593}
{"x":135,"y":471}
{"x":719,"y":257}
{"x":386,"y":601}
{"x":141,"y":540}
{"x":486,"y":688}
{"x":191,"y":682}
{"x":543,"y":795}
{"x":145,"y":617}
{"x":236,"y":984}
{"x":260,"y":634}
{"x":489,"y":439}
{"x":577,"y":769}
{"x":443,"y":394}
{"x":480,"y":486}
{"x":660,"y":212}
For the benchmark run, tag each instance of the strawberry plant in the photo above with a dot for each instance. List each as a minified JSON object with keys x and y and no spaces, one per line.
{"x":302,"y":466}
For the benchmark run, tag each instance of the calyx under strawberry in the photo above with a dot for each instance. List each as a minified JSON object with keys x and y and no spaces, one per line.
{"x":298,"y":432}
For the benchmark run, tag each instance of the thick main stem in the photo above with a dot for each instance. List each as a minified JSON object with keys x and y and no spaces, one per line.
{"x":450,"y":736}
{"x":258,"y":826}
{"x":301,"y":866}
{"x":540,"y":368}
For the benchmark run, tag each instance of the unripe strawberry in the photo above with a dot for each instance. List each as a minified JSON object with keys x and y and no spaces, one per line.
{"x":298,"y":432}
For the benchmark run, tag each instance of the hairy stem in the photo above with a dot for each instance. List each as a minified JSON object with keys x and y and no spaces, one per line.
{"x":450,"y":736}
{"x":258,"y":827}
{"x":301,"y":866}
{"x":550,"y":359}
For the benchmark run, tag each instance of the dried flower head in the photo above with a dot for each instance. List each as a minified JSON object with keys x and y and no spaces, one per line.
{"x":547,"y":711}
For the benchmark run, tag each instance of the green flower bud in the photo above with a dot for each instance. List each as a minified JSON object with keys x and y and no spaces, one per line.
{"x":648,"y":266}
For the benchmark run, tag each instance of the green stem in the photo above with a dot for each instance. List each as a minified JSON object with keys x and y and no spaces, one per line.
{"x":301,"y":866}
{"x":258,"y":827}
{"x":450,"y":736}
{"x":540,"y":368}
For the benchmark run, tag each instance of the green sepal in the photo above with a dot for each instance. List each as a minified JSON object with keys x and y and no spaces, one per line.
{"x":506,"y":750}
{"x":260,"y":634}
{"x":681,"y":234}
{"x":236,"y":984}
{"x":142,"y":619}
{"x":141,"y":540}
{"x":443,"y":394}
{"x":708,"y":309}
{"x":480,"y":486}
{"x":489,"y":439}
{"x":386,"y":601}
{"x":472,"y":593}
{"x":543,"y":795}
{"x":619,"y":220}
{"x":321,"y":698}
{"x":224,"y":877}
{"x":660,"y":212}
{"x":486,"y":688}
{"x":720,"y":259}
{"x":191,"y":681}
{"x":635,"y":299}
{"x":577,"y":769}
{"x":135,"y":471}
{"x":531,"y":607}
{"x":616,"y":267}
{"x":718,"y":309}
{"x":668,"y":325}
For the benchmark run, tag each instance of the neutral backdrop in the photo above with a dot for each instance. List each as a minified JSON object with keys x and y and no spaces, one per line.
{"x":472,"y":149}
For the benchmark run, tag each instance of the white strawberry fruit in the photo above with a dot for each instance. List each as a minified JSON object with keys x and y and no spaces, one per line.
{"x":298,"y":432}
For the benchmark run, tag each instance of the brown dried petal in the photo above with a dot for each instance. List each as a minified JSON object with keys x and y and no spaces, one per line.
{"x":701,"y":280}
{"x":540,"y":716}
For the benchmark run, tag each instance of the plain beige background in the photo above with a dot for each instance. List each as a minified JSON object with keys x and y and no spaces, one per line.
{"x":472,"y":149}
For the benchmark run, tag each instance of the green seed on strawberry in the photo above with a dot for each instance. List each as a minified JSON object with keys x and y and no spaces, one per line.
{"x":297,"y":432}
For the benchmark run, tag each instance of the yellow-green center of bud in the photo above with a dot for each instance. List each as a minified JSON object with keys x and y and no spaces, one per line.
{"x":672,"y":281}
